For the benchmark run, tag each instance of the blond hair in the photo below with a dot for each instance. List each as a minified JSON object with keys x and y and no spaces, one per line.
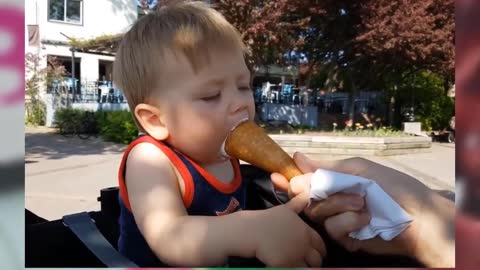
{"x":191,"y":28}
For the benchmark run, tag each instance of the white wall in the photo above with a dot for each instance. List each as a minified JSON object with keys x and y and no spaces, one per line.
{"x":31,"y":12}
{"x":101,"y":106}
{"x":89,"y":67}
{"x":99,"y":17}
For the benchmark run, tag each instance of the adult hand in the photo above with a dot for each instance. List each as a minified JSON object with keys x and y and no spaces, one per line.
{"x":429,"y":238}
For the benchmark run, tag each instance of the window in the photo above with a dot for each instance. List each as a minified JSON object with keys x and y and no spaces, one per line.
{"x":69,"y":11}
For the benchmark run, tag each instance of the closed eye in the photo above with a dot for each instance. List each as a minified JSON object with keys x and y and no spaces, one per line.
{"x":212,"y":98}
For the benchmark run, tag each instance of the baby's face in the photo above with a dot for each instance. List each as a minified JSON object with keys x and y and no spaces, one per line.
{"x":199,"y":109}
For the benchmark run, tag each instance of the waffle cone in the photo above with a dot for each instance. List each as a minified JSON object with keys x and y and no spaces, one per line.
{"x":249,"y":142}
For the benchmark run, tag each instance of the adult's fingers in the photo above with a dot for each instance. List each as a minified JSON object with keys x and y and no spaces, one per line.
{"x":333,"y":205}
{"x":374,"y":246}
{"x":355,"y":166}
{"x":341,"y":225}
{"x":307,"y":165}
{"x":313,"y":258}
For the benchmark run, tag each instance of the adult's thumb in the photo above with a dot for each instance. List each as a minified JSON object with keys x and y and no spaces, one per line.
{"x":305,"y":164}
{"x":299,"y":202}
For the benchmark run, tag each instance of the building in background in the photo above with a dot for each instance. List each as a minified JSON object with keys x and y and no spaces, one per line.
{"x":51,"y":23}
{"x":51,"y":27}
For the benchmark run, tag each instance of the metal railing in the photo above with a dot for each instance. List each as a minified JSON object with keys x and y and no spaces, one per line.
{"x":90,"y":92}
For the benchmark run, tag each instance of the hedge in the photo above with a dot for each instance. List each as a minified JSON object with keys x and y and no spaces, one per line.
{"x":114,"y":126}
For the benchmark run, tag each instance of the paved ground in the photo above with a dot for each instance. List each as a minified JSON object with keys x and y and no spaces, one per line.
{"x":64,"y":175}
{"x":436,"y":169}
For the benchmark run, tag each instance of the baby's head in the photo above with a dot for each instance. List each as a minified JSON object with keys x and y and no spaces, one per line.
{"x":183,"y":72}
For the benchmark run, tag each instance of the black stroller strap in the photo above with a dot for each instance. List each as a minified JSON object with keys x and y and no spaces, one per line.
{"x":82,"y":225}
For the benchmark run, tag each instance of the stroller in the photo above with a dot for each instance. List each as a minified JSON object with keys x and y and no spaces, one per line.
{"x":90,"y":239}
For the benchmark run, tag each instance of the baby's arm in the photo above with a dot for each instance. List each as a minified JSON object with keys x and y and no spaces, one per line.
{"x":175,"y":237}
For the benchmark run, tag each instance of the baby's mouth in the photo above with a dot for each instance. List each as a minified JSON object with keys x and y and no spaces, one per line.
{"x":223,"y":154}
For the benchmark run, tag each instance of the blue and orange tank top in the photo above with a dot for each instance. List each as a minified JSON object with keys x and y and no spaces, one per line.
{"x":204,"y":196}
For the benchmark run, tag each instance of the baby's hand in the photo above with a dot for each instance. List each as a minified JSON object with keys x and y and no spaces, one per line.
{"x":300,"y":184}
{"x":282,"y":239}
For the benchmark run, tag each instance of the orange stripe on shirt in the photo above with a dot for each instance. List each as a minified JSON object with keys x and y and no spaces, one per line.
{"x":226,"y":188}
{"x":174,"y":159}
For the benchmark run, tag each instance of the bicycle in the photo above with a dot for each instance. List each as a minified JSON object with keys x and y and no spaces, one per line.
{"x":88,"y":127}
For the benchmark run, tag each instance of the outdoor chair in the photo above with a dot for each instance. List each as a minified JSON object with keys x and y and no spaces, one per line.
{"x":286,"y":93}
{"x":90,"y":91}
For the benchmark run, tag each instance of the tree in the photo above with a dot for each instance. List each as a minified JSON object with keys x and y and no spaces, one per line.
{"x":357,"y":44}
{"x":263,"y":31}
{"x":35,"y":79}
{"x":257,"y":22}
{"x":417,"y":34}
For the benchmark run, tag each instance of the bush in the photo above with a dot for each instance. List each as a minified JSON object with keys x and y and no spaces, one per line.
{"x":433,"y":108}
{"x":36,"y":112}
{"x":117,"y":126}
{"x":68,"y":119}
{"x":437,"y":115}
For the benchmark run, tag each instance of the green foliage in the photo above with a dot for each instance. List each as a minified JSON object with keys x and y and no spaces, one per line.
{"x":377,"y":132}
{"x":425,"y":90}
{"x":106,"y":43}
{"x":115,"y":126}
{"x":118,"y":126}
{"x":35,"y":113}
{"x":35,"y":78}
{"x":68,"y":119}
{"x":436,"y":114}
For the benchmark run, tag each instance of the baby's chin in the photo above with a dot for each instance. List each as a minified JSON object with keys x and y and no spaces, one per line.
{"x":213,"y":158}
{"x":212,"y":162}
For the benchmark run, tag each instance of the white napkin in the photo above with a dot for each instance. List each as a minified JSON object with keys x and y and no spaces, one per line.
{"x":388,"y":219}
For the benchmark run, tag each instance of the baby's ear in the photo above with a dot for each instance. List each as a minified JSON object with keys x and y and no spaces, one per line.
{"x":149,"y":117}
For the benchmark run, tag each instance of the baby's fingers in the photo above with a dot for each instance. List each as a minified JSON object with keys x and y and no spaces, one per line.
{"x":313,"y":258}
{"x":279,"y":182}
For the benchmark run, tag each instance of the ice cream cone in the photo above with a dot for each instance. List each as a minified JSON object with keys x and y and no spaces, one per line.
{"x":249,"y":142}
